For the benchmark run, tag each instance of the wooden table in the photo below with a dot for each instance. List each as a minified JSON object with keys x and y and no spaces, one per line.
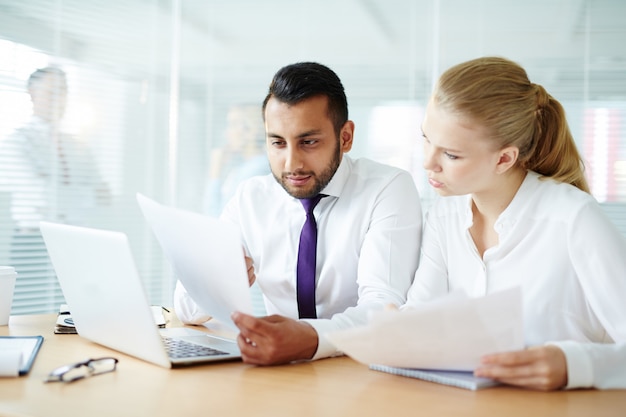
{"x":329,"y":387}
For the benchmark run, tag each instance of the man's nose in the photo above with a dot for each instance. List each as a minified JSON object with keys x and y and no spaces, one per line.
{"x":293,"y":159}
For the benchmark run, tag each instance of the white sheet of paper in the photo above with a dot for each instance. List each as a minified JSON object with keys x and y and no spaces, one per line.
{"x":207,"y":257}
{"x":448,"y":334}
{"x":10,"y":362}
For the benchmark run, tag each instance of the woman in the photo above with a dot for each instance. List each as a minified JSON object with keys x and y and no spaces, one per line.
{"x":517,"y":212}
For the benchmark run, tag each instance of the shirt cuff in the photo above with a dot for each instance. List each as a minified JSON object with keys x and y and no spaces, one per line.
{"x":325,"y":349}
{"x":579,"y":365}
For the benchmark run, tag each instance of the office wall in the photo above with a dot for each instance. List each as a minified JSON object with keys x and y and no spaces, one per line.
{"x":158,"y":89}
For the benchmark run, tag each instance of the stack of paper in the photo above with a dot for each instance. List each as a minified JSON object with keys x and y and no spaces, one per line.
{"x":64,"y":323}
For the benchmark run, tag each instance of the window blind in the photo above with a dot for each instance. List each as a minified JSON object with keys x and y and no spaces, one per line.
{"x":82,"y":131}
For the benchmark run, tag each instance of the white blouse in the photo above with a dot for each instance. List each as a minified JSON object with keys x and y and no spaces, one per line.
{"x":569,"y":259}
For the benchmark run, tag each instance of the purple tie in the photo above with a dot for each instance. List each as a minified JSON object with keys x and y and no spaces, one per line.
{"x":307,"y":251}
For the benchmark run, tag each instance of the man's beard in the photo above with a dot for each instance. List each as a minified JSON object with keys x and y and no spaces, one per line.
{"x":320,"y":181}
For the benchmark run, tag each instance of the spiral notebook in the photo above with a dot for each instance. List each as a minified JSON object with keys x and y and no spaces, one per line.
{"x":459,"y":379}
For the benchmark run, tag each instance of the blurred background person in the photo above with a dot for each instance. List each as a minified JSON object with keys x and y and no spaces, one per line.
{"x":45,"y":174}
{"x":50,"y":175}
{"x":242,"y":156}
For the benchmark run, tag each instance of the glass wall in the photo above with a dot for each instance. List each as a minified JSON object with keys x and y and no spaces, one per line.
{"x":163,"y":97}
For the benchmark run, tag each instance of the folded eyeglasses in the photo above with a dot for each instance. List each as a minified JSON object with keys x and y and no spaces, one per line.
{"x":84,"y":369}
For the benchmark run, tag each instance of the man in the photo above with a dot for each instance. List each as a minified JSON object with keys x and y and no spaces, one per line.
{"x":368,"y":225}
{"x":50,"y":174}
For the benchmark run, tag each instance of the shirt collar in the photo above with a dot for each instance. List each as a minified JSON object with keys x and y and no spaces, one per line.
{"x":336,"y":184}
{"x":509,"y":216}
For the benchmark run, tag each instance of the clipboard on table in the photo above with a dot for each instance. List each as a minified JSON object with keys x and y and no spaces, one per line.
{"x":18,"y":353}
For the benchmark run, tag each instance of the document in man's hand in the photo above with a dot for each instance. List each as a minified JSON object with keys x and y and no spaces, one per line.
{"x":207,"y":257}
{"x":449,"y":334}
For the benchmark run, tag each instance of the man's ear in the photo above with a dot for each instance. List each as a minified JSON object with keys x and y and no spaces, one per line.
{"x":346,"y":136}
{"x":507,"y":159}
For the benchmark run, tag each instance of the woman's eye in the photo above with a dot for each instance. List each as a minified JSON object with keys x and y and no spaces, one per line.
{"x":450,"y":156}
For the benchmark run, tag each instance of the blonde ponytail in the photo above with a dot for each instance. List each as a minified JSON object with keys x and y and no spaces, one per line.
{"x":554,"y":153}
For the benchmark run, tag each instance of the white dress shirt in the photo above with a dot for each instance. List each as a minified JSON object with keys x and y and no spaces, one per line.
{"x":569,"y":259}
{"x":369,"y":232}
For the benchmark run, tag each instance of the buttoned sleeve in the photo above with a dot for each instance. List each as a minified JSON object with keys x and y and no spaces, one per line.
{"x":186,"y":308}
{"x":594,"y":365}
{"x":598,"y":253}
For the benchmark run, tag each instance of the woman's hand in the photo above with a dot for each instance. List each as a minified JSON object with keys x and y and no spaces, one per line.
{"x":541,"y":368}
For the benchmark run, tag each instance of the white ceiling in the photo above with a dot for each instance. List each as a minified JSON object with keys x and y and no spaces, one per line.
{"x":572,"y":44}
{"x":576,"y":47}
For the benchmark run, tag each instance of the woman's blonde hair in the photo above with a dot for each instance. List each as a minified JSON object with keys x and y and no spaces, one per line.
{"x":497,"y":94}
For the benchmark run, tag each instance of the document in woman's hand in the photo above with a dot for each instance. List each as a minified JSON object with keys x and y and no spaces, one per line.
{"x":452,"y":333}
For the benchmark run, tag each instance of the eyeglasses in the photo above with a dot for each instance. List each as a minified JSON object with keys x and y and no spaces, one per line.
{"x":76,"y":371}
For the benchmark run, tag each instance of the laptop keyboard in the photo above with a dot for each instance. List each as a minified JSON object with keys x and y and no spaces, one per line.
{"x":177,"y":348}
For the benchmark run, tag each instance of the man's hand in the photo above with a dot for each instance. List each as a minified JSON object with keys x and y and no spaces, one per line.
{"x":541,"y":368}
{"x":274,"y":340}
{"x":250,"y":268}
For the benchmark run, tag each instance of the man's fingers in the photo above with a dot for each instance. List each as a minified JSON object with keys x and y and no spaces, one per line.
{"x":248,"y":325}
{"x":255,"y":328}
{"x":250,"y":269}
{"x":250,"y":352}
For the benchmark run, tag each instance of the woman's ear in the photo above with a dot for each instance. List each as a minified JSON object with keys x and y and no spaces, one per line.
{"x":508,"y":158}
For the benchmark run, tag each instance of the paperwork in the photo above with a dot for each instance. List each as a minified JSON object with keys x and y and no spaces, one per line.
{"x":207,"y":257}
{"x":451,"y":334}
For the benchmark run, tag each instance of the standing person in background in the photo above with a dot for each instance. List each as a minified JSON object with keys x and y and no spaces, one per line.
{"x":45,"y":174}
{"x":516,"y":211}
{"x":50,"y":174}
{"x":368,"y":227}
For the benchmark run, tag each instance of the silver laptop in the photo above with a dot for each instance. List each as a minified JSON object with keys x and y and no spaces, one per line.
{"x":102,"y":287}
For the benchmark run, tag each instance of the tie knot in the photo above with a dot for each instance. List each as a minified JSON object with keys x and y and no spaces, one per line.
{"x":310,"y":203}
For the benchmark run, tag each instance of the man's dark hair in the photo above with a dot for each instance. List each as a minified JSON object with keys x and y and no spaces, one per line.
{"x":297,"y":82}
